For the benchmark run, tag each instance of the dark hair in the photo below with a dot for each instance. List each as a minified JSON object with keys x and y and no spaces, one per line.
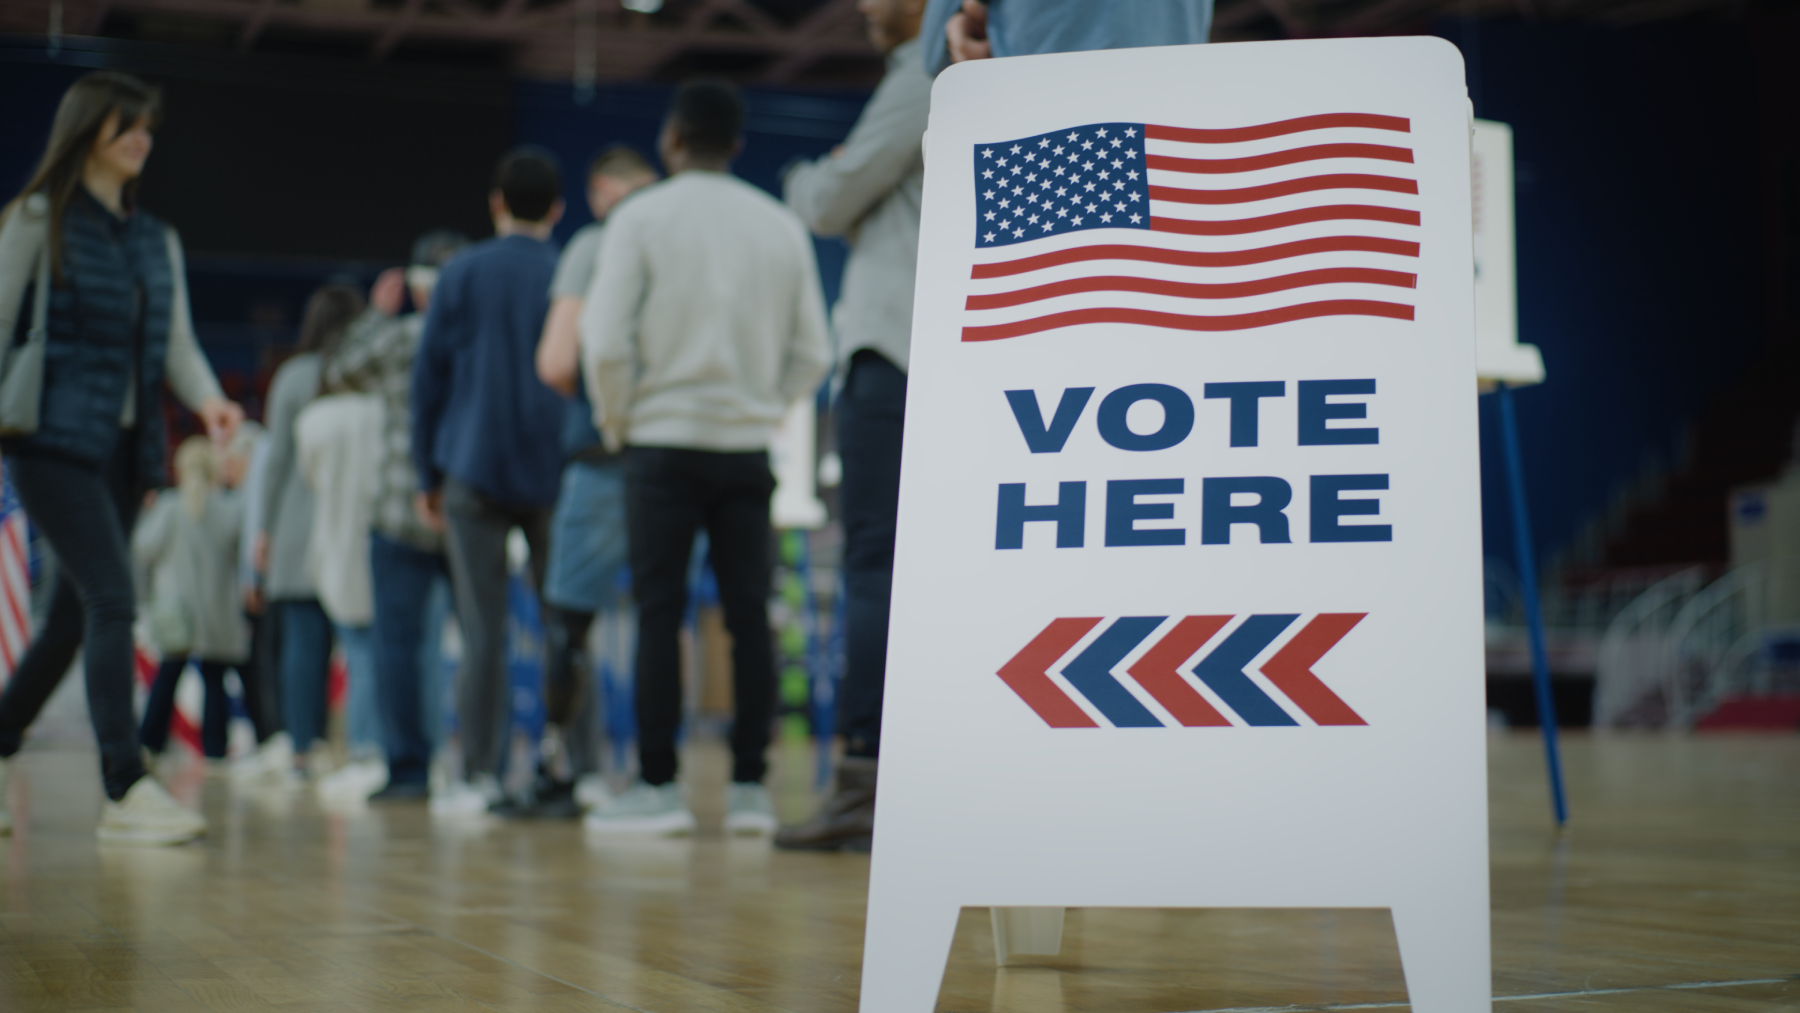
{"x":621,"y":161}
{"x":529,"y":182}
{"x":329,"y":312}
{"x":435,"y":248}
{"x":80,"y":116}
{"x":708,"y":114}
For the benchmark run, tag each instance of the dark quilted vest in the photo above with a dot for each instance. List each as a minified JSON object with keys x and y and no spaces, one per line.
{"x":98,"y":327}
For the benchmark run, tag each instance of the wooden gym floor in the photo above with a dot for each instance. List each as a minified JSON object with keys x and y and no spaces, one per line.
{"x":1678,"y":889}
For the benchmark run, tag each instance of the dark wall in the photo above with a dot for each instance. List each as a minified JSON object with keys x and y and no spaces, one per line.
{"x":1641,"y":261}
{"x":780,"y":127}
{"x":270,"y":156}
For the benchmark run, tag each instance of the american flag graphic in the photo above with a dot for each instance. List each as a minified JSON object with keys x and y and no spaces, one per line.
{"x":15,"y":578}
{"x":1194,"y":229}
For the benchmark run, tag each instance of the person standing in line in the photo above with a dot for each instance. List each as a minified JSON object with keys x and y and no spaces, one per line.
{"x":116,"y":314}
{"x":406,"y":557}
{"x":587,"y":532}
{"x":284,"y":530}
{"x":703,"y":325}
{"x":338,"y":462}
{"x":868,"y":191}
{"x":485,"y":432}
{"x":959,"y":30}
{"x":187,"y":546}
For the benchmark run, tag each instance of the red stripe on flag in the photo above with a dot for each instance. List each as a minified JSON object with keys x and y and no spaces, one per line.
{"x":1245,"y":195}
{"x":1028,"y":673}
{"x":1156,"y":672}
{"x":1291,"y":669}
{"x":1186,"y":322}
{"x":1368,"y":121}
{"x":1310,"y":153}
{"x":1241,"y":226}
{"x":1192,"y":258}
{"x":1195,"y":290}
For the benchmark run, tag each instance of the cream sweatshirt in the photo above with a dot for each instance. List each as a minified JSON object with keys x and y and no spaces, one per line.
{"x":704,"y":321}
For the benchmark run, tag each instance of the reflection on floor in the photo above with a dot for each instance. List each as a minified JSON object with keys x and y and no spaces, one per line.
{"x":1678,"y":889}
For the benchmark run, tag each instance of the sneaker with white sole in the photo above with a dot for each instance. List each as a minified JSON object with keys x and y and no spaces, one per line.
{"x":5,"y":813}
{"x":355,"y":780}
{"x":646,"y":809}
{"x":592,"y":792}
{"x":466,"y":798}
{"x":273,"y":762}
{"x":748,"y":810}
{"x":148,"y":816}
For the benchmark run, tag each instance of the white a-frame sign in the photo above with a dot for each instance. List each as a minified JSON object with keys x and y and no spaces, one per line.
{"x":1187,"y":590}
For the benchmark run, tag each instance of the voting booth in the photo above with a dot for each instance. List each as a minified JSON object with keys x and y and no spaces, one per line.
{"x":1187,"y":596}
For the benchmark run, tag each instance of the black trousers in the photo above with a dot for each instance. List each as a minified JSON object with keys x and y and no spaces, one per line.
{"x":670,"y":495}
{"x":871,"y":414}
{"x":87,"y":514}
{"x":476,"y":545}
{"x":215,"y":715}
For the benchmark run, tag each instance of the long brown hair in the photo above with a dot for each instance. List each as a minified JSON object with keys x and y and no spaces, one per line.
{"x":80,"y":116}
{"x":329,"y":313}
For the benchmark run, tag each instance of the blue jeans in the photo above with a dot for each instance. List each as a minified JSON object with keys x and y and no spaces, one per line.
{"x":588,"y":545}
{"x":871,"y":413}
{"x":408,"y":698}
{"x":362,"y":716}
{"x":305,"y":668}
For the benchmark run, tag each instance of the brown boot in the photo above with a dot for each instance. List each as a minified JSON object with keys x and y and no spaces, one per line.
{"x":846,"y":822}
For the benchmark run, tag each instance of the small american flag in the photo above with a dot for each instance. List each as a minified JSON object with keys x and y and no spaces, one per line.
{"x":15,"y":578}
{"x":1194,"y":229}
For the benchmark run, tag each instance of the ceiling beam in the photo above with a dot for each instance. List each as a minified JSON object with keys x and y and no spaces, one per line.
{"x":395,"y":30}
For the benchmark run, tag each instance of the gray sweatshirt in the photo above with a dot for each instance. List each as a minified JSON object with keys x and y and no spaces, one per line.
{"x":869,"y":193}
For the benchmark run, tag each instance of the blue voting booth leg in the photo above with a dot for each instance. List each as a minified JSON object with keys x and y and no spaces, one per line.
{"x":1534,"y":613}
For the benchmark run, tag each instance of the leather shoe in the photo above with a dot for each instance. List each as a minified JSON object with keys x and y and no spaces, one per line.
{"x":846,"y":822}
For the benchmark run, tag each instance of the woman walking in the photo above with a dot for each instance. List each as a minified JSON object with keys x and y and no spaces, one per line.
{"x":188,"y":546}
{"x":117,"y":326}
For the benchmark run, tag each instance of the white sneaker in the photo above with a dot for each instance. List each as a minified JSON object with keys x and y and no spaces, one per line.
{"x":357,"y":779}
{"x":5,"y":813}
{"x":148,"y":816}
{"x":657,"y":810}
{"x":273,"y":761}
{"x":592,"y":792}
{"x":748,"y":811}
{"x":466,"y":798}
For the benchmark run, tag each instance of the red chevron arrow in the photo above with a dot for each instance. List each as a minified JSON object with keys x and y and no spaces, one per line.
{"x":1291,"y":668}
{"x":1156,"y":671}
{"x":1028,"y":673}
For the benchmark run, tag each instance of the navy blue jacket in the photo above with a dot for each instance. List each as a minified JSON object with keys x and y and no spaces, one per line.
{"x":480,"y":413}
{"x":108,"y":326}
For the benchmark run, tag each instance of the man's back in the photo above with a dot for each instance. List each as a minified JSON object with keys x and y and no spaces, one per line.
{"x":481,"y":415}
{"x":705,"y":316}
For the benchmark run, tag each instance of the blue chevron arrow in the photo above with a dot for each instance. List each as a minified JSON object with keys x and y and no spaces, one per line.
{"x":1091,"y":672}
{"x":1223,"y":670}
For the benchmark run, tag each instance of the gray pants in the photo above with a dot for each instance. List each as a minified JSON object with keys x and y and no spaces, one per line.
{"x":477,"y":549}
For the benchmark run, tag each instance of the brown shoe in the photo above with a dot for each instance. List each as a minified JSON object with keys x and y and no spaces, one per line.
{"x":846,"y":822}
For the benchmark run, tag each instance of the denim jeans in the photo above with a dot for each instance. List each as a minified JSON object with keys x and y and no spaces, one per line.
{"x":86,"y":513}
{"x":362,"y":715}
{"x":215,"y":720}
{"x":409,"y":693}
{"x":671,"y":494}
{"x":871,"y":413}
{"x":305,"y":669}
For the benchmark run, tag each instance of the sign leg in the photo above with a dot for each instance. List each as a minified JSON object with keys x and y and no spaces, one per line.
{"x":1534,"y":613}
{"x":1020,"y":931}
{"x":905,"y":949}
{"x":1444,"y":952}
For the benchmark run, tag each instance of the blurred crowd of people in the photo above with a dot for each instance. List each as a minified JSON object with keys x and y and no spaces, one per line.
{"x":604,"y":403}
